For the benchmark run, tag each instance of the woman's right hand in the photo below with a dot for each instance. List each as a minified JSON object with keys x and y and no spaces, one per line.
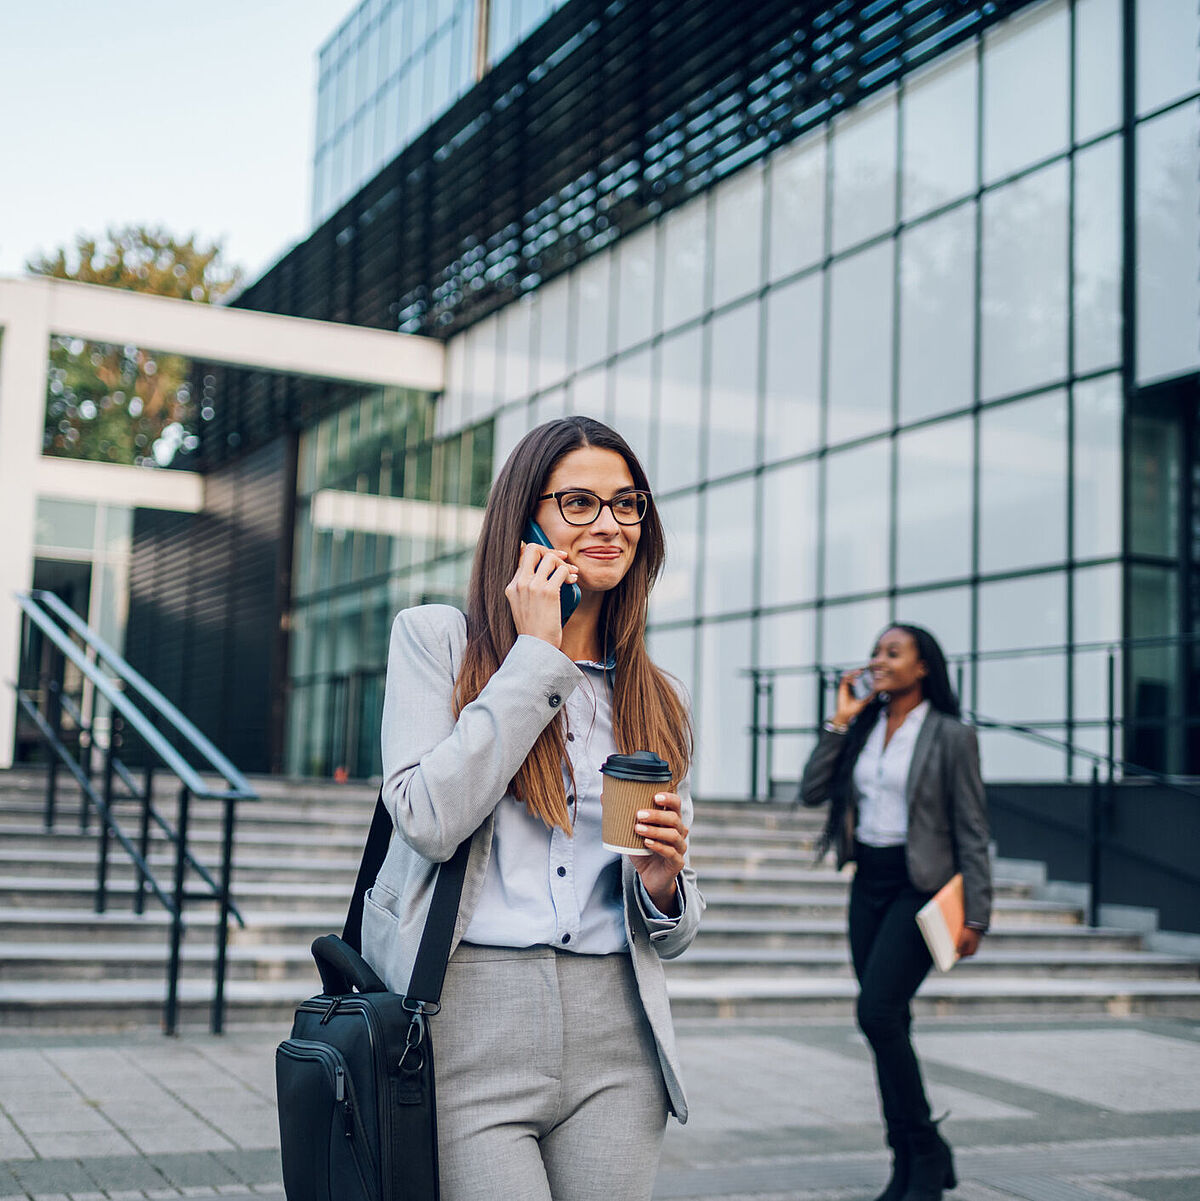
{"x":534,"y":589}
{"x":850,"y":706}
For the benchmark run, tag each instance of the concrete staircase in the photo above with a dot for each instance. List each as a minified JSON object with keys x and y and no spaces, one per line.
{"x":772,"y":943}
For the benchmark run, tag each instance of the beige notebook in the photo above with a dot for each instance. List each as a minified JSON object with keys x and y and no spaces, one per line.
{"x":941,"y":922}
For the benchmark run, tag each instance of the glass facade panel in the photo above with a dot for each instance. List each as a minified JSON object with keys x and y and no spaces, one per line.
{"x":1097,"y":233}
{"x":789,"y":541}
{"x":635,"y":287}
{"x":685,"y":263}
{"x":1168,"y":33}
{"x":553,"y":351}
{"x":674,"y":650}
{"x":733,"y":391}
{"x":939,"y":117}
{"x":631,"y":401}
{"x":1097,"y":612}
{"x":592,"y":310}
{"x":1024,"y":286}
{"x":589,"y":393}
{"x":935,"y":474}
{"x":729,"y":550}
{"x":1155,"y":491}
{"x":737,"y":235}
{"x":945,"y":613}
{"x":723,"y":757}
{"x":797,"y":204}
{"x":516,"y":327}
{"x":790,"y":639}
{"x":1023,"y":483}
{"x":1097,"y":478}
{"x":674,"y":596}
{"x":863,"y":161}
{"x":849,"y":631}
{"x":860,"y":343}
{"x":1026,"y":90}
{"x":1097,"y":64}
{"x":792,"y":402}
{"x":1168,"y":243}
{"x":678,"y":459}
{"x":857,"y":487}
{"x":937,"y":315}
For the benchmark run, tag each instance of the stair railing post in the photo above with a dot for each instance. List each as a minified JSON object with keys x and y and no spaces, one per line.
{"x":54,"y":705}
{"x":106,"y":818}
{"x":171,"y":1015}
{"x":218,"y":1009}
{"x":1095,"y":815}
{"x":769,"y":766}
{"x":755,"y":732}
{"x":139,"y":896}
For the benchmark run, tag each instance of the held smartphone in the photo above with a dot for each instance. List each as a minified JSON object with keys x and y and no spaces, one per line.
{"x":569,"y":596}
{"x":861,"y":687}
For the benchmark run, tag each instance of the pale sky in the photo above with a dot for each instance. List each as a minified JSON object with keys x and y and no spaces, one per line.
{"x":196,"y":116}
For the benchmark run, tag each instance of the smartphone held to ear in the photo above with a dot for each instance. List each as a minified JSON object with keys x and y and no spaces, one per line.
{"x":862,"y":685}
{"x":569,"y":596}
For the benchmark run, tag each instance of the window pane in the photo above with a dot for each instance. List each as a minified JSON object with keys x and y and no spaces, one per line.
{"x":674,"y":651}
{"x":789,"y":553}
{"x":722,"y":745}
{"x":934,"y":506}
{"x":1023,"y":483}
{"x":516,"y":319}
{"x":848,"y":632}
{"x":946,"y":614}
{"x":729,"y":547}
{"x":480,"y":397}
{"x":733,"y":390}
{"x":1168,"y":32}
{"x":674,"y":596}
{"x":631,"y":401}
{"x":1098,"y":467}
{"x":592,"y":305}
{"x":738,"y":232}
{"x":1155,"y":486}
{"x":678,"y":458}
{"x":790,"y":639}
{"x":550,"y":405}
{"x":589,"y":394}
{"x":635,"y":275}
{"x":797,"y":206}
{"x":863,"y":158}
{"x":1026,"y":81}
{"x":1168,"y":243}
{"x":1097,"y":287}
{"x":857,"y":485}
{"x":1098,"y":67}
{"x":1097,"y":619}
{"x":937,"y":315}
{"x":685,"y":249}
{"x":552,"y":352}
{"x":1025,"y":283}
{"x":939,"y":113}
{"x":860,"y":344}
{"x":792,"y":417}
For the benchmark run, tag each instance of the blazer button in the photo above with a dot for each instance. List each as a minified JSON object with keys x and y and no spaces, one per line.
{"x":555,"y":700}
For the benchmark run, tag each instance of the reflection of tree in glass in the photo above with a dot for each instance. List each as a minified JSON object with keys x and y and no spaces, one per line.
{"x":125,"y":404}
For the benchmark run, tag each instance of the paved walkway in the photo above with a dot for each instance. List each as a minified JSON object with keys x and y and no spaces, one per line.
{"x":1057,"y":1110}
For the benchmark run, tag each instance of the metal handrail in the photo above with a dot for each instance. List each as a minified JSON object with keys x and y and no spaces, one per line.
{"x":38,"y":608}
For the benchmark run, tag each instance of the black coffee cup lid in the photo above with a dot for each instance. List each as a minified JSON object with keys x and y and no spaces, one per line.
{"x":641,"y":765}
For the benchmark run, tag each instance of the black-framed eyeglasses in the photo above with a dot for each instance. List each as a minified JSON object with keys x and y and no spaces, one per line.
{"x":578,"y":506}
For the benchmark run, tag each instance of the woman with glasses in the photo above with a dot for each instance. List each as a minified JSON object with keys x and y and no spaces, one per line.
{"x":556,"y":1062}
{"x":901,"y":773}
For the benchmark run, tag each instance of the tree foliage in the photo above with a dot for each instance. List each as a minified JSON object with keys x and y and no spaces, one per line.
{"x":129,"y":404}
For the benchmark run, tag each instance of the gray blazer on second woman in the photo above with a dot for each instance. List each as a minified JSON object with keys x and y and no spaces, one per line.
{"x":947,"y":813}
{"x":442,"y":780}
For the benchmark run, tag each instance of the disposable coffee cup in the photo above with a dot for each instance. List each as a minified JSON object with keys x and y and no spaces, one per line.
{"x":630,"y":784}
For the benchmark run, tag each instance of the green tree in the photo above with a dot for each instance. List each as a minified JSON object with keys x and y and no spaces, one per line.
{"x":129,"y":404}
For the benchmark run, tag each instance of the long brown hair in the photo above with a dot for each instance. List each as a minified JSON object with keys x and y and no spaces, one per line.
{"x":647,"y":711}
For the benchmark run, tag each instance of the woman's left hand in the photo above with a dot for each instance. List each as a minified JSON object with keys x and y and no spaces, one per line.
{"x":666,"y":839}
{"x":968,"y":942}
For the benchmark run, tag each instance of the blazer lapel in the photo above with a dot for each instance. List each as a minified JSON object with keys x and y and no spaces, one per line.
{"x":921,"y":752}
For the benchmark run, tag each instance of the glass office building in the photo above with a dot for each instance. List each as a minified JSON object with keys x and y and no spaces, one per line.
{"x":923,"y":348}
{"x":393,"y":66}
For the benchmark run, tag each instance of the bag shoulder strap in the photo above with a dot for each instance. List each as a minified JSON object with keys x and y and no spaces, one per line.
{"x":429,"y":968}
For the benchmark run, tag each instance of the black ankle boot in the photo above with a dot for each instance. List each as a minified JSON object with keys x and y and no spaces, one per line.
{"x":897,"y":1185}
{"x":931,"y":1165}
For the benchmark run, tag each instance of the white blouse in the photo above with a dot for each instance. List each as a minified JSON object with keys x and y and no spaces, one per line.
{"x":881,"y":780}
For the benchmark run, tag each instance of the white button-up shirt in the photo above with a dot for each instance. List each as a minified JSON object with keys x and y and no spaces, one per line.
{"x":547,"y":887}
{"x":881,"y":780}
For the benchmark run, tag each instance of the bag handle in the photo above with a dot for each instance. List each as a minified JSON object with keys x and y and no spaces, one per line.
{"x":429,"y":967}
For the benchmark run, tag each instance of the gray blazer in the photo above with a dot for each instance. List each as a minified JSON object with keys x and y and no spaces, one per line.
{"x":947,"y":813}
{"x":442,"y":780}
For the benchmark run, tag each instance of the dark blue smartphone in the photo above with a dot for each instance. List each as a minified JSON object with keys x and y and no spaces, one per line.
{"x":569,"y":596}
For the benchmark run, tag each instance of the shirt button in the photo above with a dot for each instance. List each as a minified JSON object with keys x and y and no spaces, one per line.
{"x":566,"y":939}
{"x":562,"y":871}
{"x":555,"y":700}
{"x":570,"y":736}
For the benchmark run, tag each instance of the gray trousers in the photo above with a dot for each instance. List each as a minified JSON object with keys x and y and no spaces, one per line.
{"x":548,"y":1082}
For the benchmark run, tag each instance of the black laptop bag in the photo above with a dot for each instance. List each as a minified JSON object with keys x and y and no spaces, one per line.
{"x":355,"y":1081}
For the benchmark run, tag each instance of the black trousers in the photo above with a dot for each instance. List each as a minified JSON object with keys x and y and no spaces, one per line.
{"x":890,"y":961}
